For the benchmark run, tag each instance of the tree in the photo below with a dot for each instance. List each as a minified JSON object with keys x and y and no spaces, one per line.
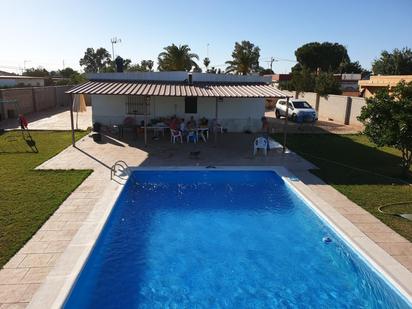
{"x":112,"y":67}
{"x":388,"y":120}
{"x":40,"y":72}
{"x":144,"y":66}
{"x":353,"y":68}
{"x":147,"y":65}
{"x":206,"y":62}
{"x":95,"y":61}
{"x":350,"y":67}
{"x":36,"y":72}
{"x":325,"y":56}
{"x":245,"y":58}
{"x":266,"y":72}
{"x":302,"y":80}
{"x":77,"y":78}
{"x":326,"y":83}
{"x":399,"y":62}
{"x":67,"y":72}
{"x":177,"y":58}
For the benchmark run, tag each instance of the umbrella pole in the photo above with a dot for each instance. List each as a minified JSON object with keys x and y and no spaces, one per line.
{"x":72,"y":123}
{"x":285,"y":125}
{"x":215,"y":124}
{"x":145,"y":121}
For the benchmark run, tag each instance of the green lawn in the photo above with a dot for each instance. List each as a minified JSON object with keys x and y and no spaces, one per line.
{"x":339,"y":158}
{"x":29,"y":197}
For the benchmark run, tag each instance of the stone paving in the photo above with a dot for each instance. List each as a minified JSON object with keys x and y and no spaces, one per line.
{"x":26,"y":271}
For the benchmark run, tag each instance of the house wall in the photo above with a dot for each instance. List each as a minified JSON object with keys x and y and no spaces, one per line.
{"x":237,"y":114}
{"x":12,"y":82}
{"x":7,"y":82}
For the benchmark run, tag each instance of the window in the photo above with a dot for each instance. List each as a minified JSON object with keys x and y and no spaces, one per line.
{"x":301,"y":104}
{"x":191,"y":105}
{"x":135,"y":105}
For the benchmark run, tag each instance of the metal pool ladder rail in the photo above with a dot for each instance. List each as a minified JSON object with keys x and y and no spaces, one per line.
{"x":121,"y":166}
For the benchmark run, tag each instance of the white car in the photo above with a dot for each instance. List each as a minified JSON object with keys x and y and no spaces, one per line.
{"x":299,"y":110}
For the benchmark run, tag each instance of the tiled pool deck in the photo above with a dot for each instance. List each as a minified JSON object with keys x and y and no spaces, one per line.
{"x":76,"y":223}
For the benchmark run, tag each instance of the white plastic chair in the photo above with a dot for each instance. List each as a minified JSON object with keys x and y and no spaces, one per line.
{"x":217,"y":127}
{"x":192,"y":135}
{"x":175,"y":135}
{"x":260,"y":143}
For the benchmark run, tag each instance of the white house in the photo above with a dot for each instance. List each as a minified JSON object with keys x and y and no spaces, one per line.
{"x":238,"y":102}
{"x":17,"y":80}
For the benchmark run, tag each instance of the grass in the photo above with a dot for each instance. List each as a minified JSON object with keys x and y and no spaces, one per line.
{"x":30,"y":197}
{"x":367,"y":175}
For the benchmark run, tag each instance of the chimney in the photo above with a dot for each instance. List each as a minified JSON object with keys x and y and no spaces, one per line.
{"x":190,"y":78}
{"x":119,"y":64}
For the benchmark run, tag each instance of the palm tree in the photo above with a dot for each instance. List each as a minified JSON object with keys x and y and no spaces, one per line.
{"x":177,"y":58}
{"x":206,"y":62}
{"x":245,"y":58}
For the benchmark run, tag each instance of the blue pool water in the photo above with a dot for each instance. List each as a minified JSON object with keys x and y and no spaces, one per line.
{"x":222,"y":239}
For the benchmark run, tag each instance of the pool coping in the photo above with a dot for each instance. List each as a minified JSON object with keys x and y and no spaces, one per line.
{"x":59,"y":282}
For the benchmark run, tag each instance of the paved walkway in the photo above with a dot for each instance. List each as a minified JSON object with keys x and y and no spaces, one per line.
{"x":24,"y":273}
{"x":52,"y":119}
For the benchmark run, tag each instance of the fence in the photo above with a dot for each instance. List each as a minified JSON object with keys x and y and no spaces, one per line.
{"x":338,"y":108}
{"x":30,"y":100}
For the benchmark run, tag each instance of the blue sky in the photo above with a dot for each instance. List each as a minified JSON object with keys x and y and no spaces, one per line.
{"x":46,"y":33}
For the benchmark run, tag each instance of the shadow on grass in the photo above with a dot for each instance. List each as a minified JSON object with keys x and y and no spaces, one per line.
{"x":348,"y":159}
{"x":17,"y":142}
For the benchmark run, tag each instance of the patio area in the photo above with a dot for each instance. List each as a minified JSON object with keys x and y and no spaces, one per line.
{"x":228,"y":149}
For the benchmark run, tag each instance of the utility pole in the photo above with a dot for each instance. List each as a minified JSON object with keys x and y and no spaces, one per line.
{"x":24,"y":64}
{"x":271,"y":63}
{"x":114,"y":40}
{"x":63,"y":64}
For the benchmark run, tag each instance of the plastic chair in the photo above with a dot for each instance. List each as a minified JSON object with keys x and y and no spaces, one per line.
{"x":217,"y":127}
{"x":260,"y":143}
{"x":175,"y":135}
{"x":192,"y":135}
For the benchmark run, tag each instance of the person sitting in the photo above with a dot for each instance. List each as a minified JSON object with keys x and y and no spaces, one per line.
{"x":182,"y":126}
{"x":191,"y":124}
{"x":203,"y":122}
{"x":173,"y":123}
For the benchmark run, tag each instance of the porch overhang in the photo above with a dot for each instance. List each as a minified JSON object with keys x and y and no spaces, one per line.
{"x":178,"y":89}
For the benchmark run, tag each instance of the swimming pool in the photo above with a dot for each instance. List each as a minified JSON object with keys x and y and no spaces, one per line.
{"x":222,"y":239}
